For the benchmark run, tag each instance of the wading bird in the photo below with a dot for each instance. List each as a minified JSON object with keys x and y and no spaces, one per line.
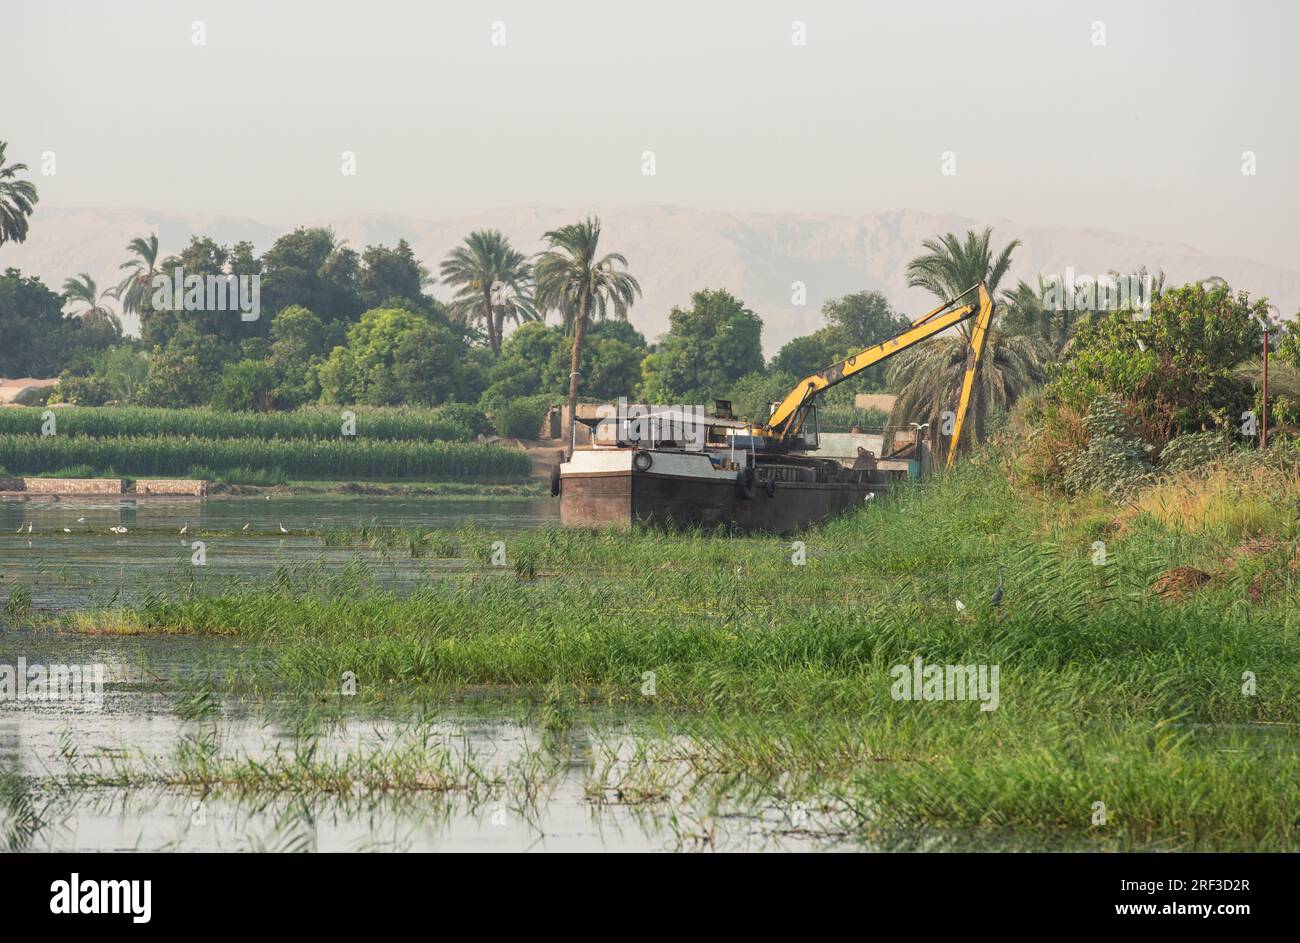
{"x":961,"y":606}
{"x":246,"y":526}
{"x":997,"y":593}
{"x":67,"y":530}
{"x":185,"y":528}
{"x":282,"y":530}
{"x":81,"y":520}
{"x":118,"y":529}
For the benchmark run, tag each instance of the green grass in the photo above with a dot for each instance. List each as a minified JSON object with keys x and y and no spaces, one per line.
{"x":781,"y":674}
{"x":339,"y":459}
{"x":372,"y":423}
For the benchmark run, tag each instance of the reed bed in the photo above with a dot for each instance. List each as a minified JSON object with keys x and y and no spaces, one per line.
{"x":314,"y":459}
{"x":372,"y":423}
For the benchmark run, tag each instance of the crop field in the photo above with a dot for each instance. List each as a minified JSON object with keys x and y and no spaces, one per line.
{"x":133,"y":456}
{"x":373,"y":423}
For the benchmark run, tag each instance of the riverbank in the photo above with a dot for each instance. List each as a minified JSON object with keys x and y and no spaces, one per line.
{"x":1136,"y":704}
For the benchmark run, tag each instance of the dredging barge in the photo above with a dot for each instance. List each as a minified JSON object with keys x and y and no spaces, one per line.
{"x":677,"y":466}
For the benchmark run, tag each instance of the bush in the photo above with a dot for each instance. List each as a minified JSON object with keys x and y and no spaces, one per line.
{"x":1114,"y":461}
{"x":465,"y":415}
{"x":80,"y":391}
{"x":1195,"y":451}
{"x":246,"y":386}
{"x":521,"y":418}
{"x":240,"y":476}
{"x":1175,"y":370}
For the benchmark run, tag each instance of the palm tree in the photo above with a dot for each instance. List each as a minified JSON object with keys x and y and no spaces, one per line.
{"x":571,"y":278}
{"x":951,"y":266}
{"x":494,"y":280}
{"x":134,"y":290}
{"x":928,"y":377}
{"x":1027,"y":314}
{"x":17,"y":200}
{"x":83,"y":290}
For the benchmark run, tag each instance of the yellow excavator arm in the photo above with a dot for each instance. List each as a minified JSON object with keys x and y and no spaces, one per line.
{"x":788,"y":417}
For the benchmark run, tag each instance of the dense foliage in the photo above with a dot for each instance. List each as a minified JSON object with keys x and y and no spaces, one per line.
{"x":708,"y":347}
{"x":1173,"y":370}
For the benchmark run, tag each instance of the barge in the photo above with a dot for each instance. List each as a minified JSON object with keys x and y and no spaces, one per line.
{"x":729,"y":479}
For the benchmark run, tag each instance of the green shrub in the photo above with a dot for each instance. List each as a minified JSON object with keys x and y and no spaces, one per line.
{"x":465,"y":415}
{"x":1194,"y":451}
{"x":81,"y":391}
{"x":521,"y":418}
{"x":72,"y":471}
{"x":1114,"y":461}
{"x":19,"y":604}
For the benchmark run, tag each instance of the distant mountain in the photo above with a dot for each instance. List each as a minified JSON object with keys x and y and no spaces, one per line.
{"x":674,"y":251}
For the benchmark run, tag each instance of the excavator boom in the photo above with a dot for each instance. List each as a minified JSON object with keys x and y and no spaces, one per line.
{"x":788,"y":417}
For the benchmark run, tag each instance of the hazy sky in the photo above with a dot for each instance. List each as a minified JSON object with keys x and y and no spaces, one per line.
{"x":1143,"y":135}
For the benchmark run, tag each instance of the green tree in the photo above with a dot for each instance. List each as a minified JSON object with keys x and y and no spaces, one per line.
{"x":861,"y":319}
{"x":853,"y":322}
{"x":201,"y":258}
{"x":753,"y":394}
{"x":310,"y":267}
{"x":803,"y":356}
{"x":39,"y":340}
{"x":928,"y":376}
{"x":1024,"y":313}
{"x":17,"y":200}
{"x":429,"y":367}
{"x":395,"y":356}
{"x":493,"y":284}
{"x":950,"y":266}
{"x":708,"y":347}
{"x":176,"y":379}
{"x":135,"y":291}
{"x":526,"y":362}
{"x":81,"y":290}
{"x":387,"y":274}
{"x":123,"y":372}
{"x":1174,"y":371}
{"x":246,"y":386}
{"x":575,"y":280}
{"x":298,"y":341}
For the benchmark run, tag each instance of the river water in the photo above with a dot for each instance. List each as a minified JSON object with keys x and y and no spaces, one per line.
{"x":65,"y":767}
{"x":72,"y":560}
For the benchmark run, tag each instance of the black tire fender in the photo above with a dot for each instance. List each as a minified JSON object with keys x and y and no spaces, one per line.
{"x":745,"y":484}
{"x":642,"y":460}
